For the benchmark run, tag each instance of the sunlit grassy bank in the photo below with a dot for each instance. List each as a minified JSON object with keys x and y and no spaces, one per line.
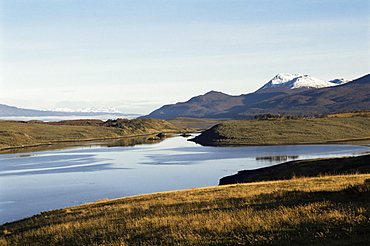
{"x":287,"y":131}
{"x":331,"y":210}
{"x":25,"y":133}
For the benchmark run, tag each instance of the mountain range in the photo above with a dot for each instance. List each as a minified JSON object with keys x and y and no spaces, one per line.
{"x":10,"y":111}
{"x":290,"y":94}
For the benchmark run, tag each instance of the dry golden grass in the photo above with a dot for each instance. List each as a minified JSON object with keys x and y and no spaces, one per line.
{"x":362,"y":113}
{"x":331,"y":210}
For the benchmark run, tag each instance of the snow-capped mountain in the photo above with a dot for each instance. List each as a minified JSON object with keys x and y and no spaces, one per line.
{"x":297,"y":81}
{"x":216,"y":105}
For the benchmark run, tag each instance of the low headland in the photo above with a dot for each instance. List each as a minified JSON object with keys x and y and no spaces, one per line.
{"x":281,"y":130}
{"x":20,"y":134}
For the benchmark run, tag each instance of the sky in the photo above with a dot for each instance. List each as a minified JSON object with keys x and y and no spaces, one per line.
{"x":139,"y":55}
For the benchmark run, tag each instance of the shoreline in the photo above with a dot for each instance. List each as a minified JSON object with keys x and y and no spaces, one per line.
{"x":302,"y":168}
{"x":286,"y":132}
{"x":213,"y":144}
{"x":50,"y":143}
{"x":219,"y":144}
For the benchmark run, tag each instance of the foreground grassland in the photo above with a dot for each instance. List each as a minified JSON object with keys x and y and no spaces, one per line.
{"x":286,"y":131}
{"x":330,"y":210}
{"x":25,"y":133}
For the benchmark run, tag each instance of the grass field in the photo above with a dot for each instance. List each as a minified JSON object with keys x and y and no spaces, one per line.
{"x":330,"y":210}
{"x":25,"y":133}
{"x":292,"y":131}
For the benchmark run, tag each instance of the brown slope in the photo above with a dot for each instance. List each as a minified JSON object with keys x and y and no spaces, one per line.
{"x":215,"y":105}
{"x":203,"y":106}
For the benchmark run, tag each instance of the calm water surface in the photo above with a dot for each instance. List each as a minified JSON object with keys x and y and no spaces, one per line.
{"x":51,"y":179}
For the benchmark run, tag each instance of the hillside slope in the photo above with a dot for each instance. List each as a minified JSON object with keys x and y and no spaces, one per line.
{"x":210,"y":104}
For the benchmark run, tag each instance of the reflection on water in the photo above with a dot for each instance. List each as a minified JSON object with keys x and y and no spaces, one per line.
{"x":127,"y":141}
{"x":63,"y":163}
{"x":44,"y":179}
{"x":133,"y":141}
{"x":66,"y":161}
{"x":277,"y":158}
{"x":39,"y":148}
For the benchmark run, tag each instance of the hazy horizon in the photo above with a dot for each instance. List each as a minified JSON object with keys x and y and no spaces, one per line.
{"x":139,"y":55}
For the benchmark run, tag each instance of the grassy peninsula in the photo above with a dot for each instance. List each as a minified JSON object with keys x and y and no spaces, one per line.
{"x":331,"y":210}
{"x":274,"y":131}
{"x":15,"y":134}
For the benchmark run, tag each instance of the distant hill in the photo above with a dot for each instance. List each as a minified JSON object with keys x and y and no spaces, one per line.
{"x":300,"y":101}
{"x":211,"y":104}
{"x":10,"y":111}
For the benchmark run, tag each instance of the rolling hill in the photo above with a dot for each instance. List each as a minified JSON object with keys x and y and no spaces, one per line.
{"x":287,"y":131}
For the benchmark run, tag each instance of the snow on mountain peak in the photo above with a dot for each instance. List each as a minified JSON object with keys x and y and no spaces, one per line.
{"x":296,"y":81}
{"x":339,"y":81}
{"x":87,"y":110}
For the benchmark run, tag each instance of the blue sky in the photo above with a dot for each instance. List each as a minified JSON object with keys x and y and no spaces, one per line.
{"x":139,"y":55}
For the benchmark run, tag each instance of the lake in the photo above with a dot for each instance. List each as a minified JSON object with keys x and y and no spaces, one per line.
{"x":63,"y":176}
